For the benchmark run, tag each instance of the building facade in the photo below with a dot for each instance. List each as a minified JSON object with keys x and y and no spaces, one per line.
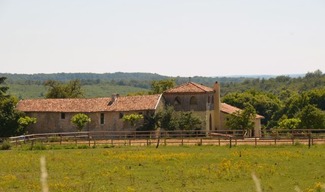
{"x":201,"y":100}
{"x":54,"y":115}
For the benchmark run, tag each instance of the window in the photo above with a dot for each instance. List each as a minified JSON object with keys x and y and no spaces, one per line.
{"x":121,"y":115}
{"x":208,"y":99}
{"x":193,"y":101}
{"x":102,"y":119}
{"x":62,"y":115}
{"x":177,"y":101}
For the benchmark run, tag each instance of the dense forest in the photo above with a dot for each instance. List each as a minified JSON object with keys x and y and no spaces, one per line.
{"x":286,"y":101}
{"x":100,"y":85}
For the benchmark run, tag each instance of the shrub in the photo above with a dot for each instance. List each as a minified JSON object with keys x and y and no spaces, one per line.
{"x":108,"y":146}
{"x":83,"y":147}
{"x":6,"y":145}
{"x":38,"y":146}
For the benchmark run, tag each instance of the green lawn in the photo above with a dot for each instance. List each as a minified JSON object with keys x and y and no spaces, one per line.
{"x":177,"y":168}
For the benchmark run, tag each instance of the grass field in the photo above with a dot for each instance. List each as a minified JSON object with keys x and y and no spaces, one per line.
{"x":171,"y":168}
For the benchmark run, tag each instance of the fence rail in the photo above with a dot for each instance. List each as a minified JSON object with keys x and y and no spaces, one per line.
{"x":182,"y":137}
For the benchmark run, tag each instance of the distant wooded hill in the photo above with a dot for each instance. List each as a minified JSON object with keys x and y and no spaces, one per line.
{"x":103,"y":85}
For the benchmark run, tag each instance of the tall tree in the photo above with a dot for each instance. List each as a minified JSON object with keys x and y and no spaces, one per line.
{"x":242,"y":119}
{"x":162,"y":85}
{"x":189,"y":121}
{"x":8,"y":114}
{"x":72,"y":89}
{"x":3,"y":89}
{"x":311,"y":118}
{"x":265,"y":104}
{"x":317,"y":97}
{"x":168,"y":118}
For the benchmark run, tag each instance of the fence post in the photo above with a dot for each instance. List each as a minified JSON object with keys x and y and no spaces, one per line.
{"x":32,"y":145}
{"x":158,"y":141}
{"x":230,"y":144}
{"x":255,"y":141}
{"x":88,"y":139}
{"x":182,"y":137}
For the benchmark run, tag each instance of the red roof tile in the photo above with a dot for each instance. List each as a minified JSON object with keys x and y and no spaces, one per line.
{"x":128,"y":103}
{"x":226,"y":108}
{"x":190,"y":87}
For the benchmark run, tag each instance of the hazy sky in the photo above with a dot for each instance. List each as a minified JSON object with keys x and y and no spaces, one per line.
{"x":168,"y":37}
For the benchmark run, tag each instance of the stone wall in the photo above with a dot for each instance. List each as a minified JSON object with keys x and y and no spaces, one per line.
{"x":182,"y":102}
{"x":52,"y":122}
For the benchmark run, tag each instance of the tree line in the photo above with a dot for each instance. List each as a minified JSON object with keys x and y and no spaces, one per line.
{"x":98,"y":83}
{"x":128,"y":82}
{"x":286,"y":102}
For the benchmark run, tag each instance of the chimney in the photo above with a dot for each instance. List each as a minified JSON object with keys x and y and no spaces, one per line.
{"x":114,"y":98}
{"x":217,"y":105}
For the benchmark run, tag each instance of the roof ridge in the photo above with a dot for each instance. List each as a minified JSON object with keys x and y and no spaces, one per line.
{"x":198,"y":86}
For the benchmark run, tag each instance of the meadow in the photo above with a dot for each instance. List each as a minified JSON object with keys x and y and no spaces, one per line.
{"x":167,"y":168}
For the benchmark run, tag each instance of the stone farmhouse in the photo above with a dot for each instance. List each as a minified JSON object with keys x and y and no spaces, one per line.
{"x":54,"y":115}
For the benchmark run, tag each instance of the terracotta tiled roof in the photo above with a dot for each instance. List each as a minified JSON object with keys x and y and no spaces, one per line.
{"x":190,"y":87}
{"x":226,"y":108}
{"x":128,"y":103}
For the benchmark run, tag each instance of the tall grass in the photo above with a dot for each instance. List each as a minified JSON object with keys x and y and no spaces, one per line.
{"x":178,"y":168}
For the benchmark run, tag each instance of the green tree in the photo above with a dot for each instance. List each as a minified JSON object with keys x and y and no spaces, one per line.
{"x":24,"y":122}
{"x":3,"y":89}
{"x":133,"y":119}
{"x":265,"y":104}
{"x":168,"y":118}
{"x":80,"y":120}
{"x":189,"y":121}
{"x":317,"y":97}
{"x":158,"y":87}
{"x":72,"y":89}
{"x":150,"y":123}
{"x":289,"y":123}
{"x":242,"y":119}
{"x":8,"y":114}
{"x":9,"y":117}
{"x":295,"y":104}
{"x":316,"y":74}
{"x":311,"y":118}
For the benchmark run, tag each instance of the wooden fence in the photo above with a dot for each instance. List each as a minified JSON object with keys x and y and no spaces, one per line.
{"x":188,"y":137}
